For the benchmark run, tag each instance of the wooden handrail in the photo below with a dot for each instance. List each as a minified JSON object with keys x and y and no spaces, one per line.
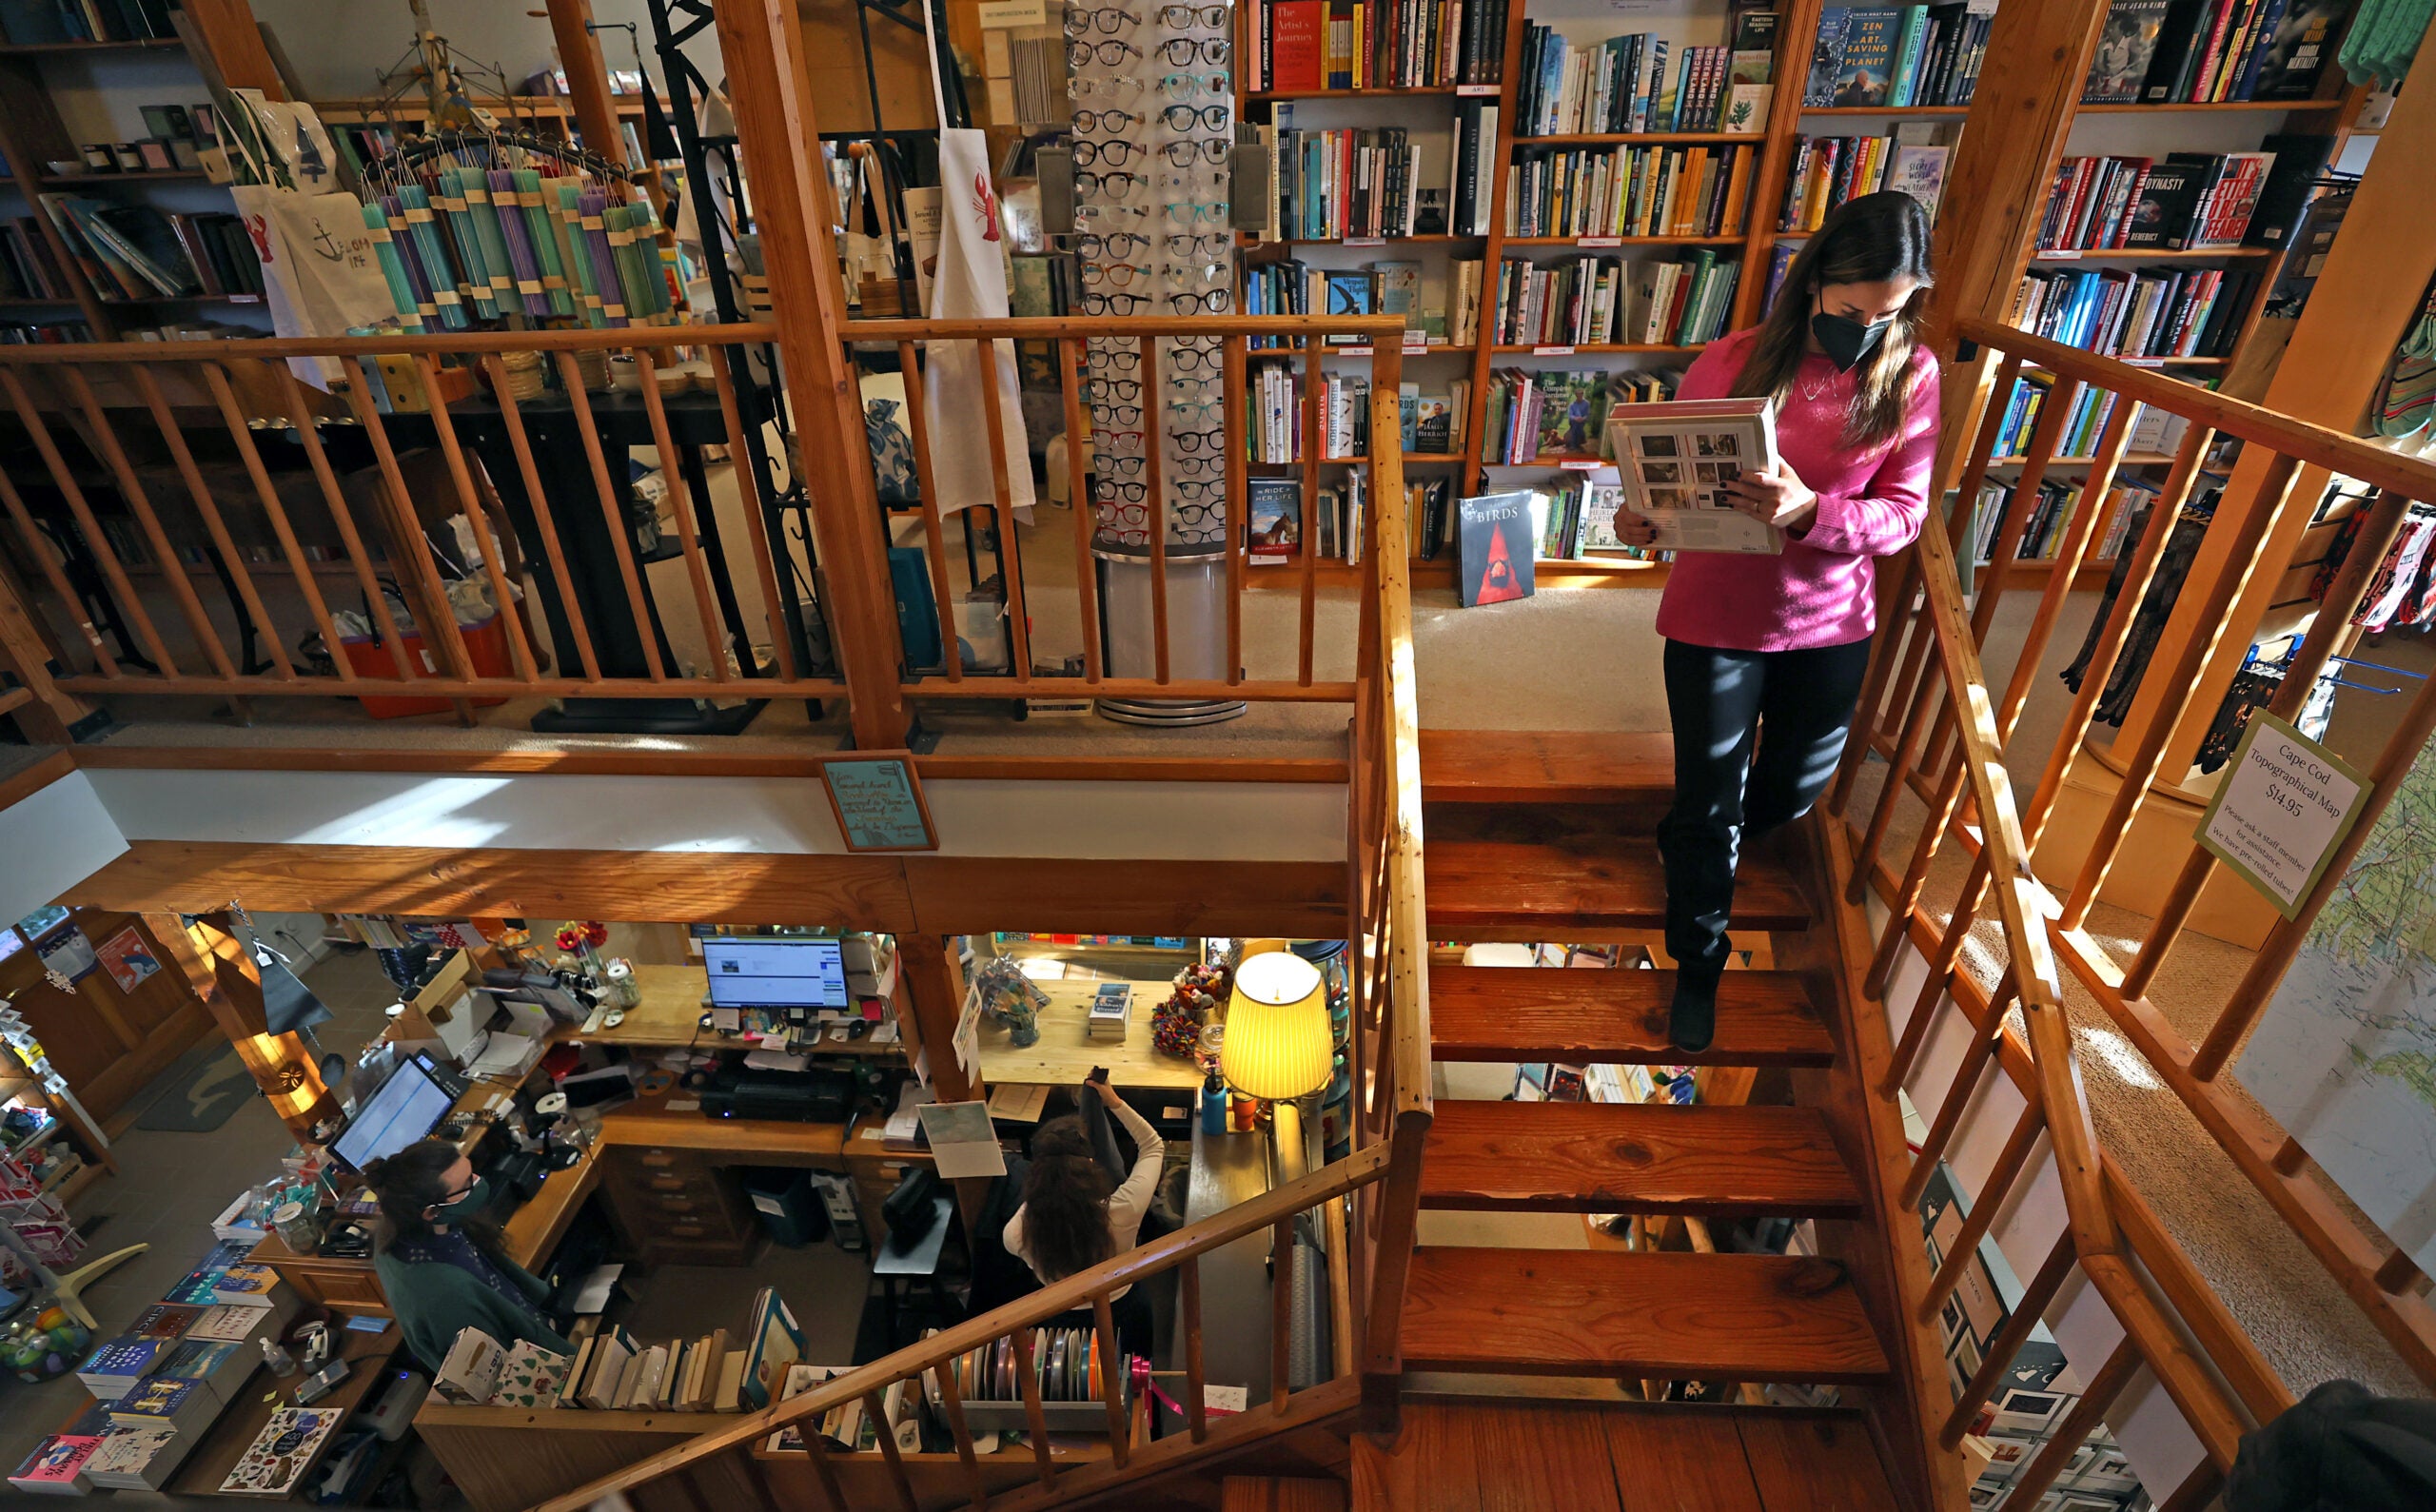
{"x":1080,"y":1289}
{"x":449,"y":344}
{"x":1380,"y":328}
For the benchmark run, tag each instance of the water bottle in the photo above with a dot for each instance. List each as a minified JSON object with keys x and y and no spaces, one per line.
{"x":1213,"y":1106}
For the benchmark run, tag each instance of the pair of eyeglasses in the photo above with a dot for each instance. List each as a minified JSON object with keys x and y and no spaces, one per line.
{"x":1115,"y":185}
{"x":1131,"y":493}
{"x":1215,"y":301}
{"x":1194,"y":517}
{"x":1111,"y":55}
{"x":1189,"y":389}
{"x":1102,"y":390}
{"x":1194,"y":466}
{"x":1185,"y":212}
{"x":1107,"y":20}
{"x":1126,"y":442}
{"x":1191,"y":442}
{"x":1127,"y":514}
{"x":1110,"y":416}
{"x":1185,"y":117}
{"x":1121,"y":466}
{"x":1184,"y":52}
{"x":1176,"y":18}
{"x":1115,"y":243}
{"x":1202,"y":493}
{"x":1192,"y":360}
{"x":1104,"y":210}
{"x":1116,"y":275}
{"x":1112,"y":359}
{"x":1116,"y":152}
{"x":1203,"y":245}
{"x":1194,"y":85}
{"x":1115,"y":86}
{"x":1210,"y":151}
{"x":1205,"y":274}
{"x":1094,"y":303}
{"x":1197,"y":409}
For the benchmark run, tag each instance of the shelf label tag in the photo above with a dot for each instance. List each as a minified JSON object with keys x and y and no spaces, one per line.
{"x":1469,"y":91}
{"x":1582,"y":464}
{"x":1552,"y":351}
{"x":1603,"y":241}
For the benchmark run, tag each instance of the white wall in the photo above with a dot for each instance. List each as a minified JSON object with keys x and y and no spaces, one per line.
{"x":52,"y":840}
{"x":340,"y":60}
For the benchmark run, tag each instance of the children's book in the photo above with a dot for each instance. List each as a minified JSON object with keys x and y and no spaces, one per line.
{"x":283,"y":1452}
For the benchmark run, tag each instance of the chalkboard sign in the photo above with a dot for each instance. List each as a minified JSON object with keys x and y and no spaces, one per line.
{"x":878,"y":802}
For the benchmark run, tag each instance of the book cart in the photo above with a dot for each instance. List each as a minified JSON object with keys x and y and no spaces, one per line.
{"x":1473,"y":131}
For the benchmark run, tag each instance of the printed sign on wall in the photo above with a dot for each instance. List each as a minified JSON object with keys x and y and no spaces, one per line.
{"x":878,"y":802}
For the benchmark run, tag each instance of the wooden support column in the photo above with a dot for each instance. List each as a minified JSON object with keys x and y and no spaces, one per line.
{"x":2364,"y":299}
{"x":930,"y":991}
{"x":232,"y":40}
{"x":212,"y":955}
{"x":762,"y":42}
{"x":596,"y":109}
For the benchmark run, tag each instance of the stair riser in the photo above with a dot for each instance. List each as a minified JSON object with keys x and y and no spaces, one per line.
{"x":1641,"y":1053}
{"x":1648,"y":1367}
{"x":1617,"y":1202}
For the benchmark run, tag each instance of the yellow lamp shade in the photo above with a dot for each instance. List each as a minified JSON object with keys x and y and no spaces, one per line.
{"x":1278,"y":1044}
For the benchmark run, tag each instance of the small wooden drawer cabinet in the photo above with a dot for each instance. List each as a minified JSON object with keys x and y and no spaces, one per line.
{"x":676,"y":1205}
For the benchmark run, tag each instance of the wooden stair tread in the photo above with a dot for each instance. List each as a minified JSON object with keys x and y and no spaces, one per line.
{"x":1662,"y":1315}
{"x":1618,"y":1017}
{"x":1279,"y":1493}
{"x":1725,"y":1160}
{"x":1539,"y":766}
{"x":1496,"y":889}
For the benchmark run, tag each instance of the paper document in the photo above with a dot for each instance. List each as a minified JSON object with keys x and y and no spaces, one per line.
{"x":961,"y":1140}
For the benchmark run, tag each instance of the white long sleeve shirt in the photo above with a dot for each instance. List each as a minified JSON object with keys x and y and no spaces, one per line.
{"x":1126,"y":1206}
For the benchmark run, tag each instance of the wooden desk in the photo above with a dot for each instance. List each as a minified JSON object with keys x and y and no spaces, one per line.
{"x":238,"y":1423}
{"x":670,"y":1013}
{"x":1065,"y":1053}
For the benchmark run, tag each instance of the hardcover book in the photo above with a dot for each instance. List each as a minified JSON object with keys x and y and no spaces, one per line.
{"x":1676,"y":462}
{"x":2163,"y":214}
{"x":2290,"y":60}
{"x":2126,"y":47}
{"x":1865,"y":71}
{"x":1274,"y":518}
{"x":1826,"y":54}
{"x":1493,"y":547}
{"x":164,"y":1320}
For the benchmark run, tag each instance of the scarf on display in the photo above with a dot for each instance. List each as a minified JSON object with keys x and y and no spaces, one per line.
{"x":2383,"y":39}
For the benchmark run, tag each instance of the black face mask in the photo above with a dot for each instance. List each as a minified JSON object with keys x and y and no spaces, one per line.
{"x":1845,"y":340}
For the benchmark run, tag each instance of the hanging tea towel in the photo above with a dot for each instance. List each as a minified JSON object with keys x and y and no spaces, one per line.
{"x":969,"y":283}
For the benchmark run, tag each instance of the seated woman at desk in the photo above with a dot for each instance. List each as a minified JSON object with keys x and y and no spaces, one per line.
{"x":1073,"y":1216}
{"x":440,"y":1260}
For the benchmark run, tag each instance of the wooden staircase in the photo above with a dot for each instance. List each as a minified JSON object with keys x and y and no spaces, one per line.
{"x":1539,"y":837}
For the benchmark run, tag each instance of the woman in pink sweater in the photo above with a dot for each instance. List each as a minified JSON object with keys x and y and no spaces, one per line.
{"x":1770,"y":651}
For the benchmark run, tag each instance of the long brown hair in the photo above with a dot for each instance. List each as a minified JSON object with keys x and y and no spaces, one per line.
{"x":1066,"y":1196}
{"x":412,"y":1181}
{"x":1867,"y":240}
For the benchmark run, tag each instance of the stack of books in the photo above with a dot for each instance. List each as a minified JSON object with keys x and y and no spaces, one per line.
{"x":1112,"y":1011}
{"x":1883,"y":58}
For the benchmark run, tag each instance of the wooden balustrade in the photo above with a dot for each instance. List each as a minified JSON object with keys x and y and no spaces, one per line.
{"x":1930,"y":714}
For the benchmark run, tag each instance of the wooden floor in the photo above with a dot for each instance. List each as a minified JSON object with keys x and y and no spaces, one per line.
{"x":1563,"y":1457}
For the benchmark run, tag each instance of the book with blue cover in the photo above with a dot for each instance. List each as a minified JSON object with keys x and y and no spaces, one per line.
{"x":115,"y":1367}
{"x":1866,"y":72}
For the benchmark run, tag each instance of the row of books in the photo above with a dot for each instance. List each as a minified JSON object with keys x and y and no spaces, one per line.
{"x":2187,"y":312}
{"x":1827,"y":170}
{"x":159,"y":1387}
{"x":2190,"y":201}
{"x":2043,"y":532}
{"x":1303,"y":46}
{"x":1681,"y":191}
{"x":136,"y":252}
{"x":1576,"y":516}
{"x":613,"y":1371}
{"x":1473,"y":182}
{"x":2198,"y":51}
{"x":1888,"y":58}
{"x":1353,"y":183}
{"x":31,"y":23}
{"x":1620,"y":84}
{"x":849,"y":1427}
{"x":1273,"y":535}
{"x":27,"y":270}
{"x":1536,"y":417}
{"x":1604,"y":301}
{"x":1295,"y":287}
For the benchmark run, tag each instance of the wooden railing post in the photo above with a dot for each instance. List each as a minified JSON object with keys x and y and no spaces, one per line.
{"x":762,"y":43}
{"x":48,"y":715}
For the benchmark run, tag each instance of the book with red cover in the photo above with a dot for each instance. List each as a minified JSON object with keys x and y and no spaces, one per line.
{"x":1298,"y":29}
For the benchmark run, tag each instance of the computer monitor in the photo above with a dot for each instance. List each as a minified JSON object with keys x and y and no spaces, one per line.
{"x":409,"y":1105}
{"x":775,"y":973}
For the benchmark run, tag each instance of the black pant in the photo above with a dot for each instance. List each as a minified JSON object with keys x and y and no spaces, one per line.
{"x":1798,"y":704}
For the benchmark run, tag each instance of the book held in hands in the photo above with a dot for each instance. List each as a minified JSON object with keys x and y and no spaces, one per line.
{"x":1678,"y":461}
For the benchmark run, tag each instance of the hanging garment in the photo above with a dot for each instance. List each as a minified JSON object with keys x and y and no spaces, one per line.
{"x":2389,"y":590}
{"x":2148,"y":623}
{"x":2407,"y":395}
{"x":2254,"y":687}
{"x":2347,"y":533}
{"x":971,"y":283}
{"x":2383,"y":38}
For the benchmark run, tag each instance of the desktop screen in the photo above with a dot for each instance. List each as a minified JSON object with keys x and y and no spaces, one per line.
{"x":775,"y":973}
{"x":409,"y":1105}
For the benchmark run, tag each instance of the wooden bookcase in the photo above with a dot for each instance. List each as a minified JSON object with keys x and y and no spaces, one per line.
{"x":34,"y":135}
{"x":2091,"y":128}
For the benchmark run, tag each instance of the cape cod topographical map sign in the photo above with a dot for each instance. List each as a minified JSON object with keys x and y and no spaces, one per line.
{"x":2346,"y":1054}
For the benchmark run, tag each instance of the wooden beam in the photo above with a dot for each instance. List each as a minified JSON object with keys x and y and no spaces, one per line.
{"x":596,"y":109}
{"x":230,"y":36}
{"x":46,"y":718}
{"x":762,"y":40}
{"x":210,"y":952}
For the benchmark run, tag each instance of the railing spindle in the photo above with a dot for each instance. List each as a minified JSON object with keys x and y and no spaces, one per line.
{"x":1280,"y":1313}
{"x":689,"y":542}
{"x":1940,"y":975}
{"x":822,"y":1470}
{"x":1306,"y":603}
{"x":95,"y":541}
{"x":1907,"y":750}
{"x":613,"y":513}
{"x":494,"y":563}
{"x":39,"y":548}
{"x":562,"y":582}
{"x":1235,"y":435}
{"x":934,"y":547}
{"x":756,"y":526}
{"x":1993,"y":403}
{"x":182,"y":456}
{"x":1984,"y":1208}
{"x":1196,"y":1377}
{"x":1071,"y":364}
{"x":2011,"y":1334}
{"x":1009,"y":546}
{"x":1035,"y":1419}
{"x":1868,"y":709}
{"x":1340,"y":1291}
{"x":300,"y":416}
{"x":2079,"y":532}
{"x":309,"y":586}
{"x":413,"y":556}
{"x":103,"y":438}
{"x":2086,"y":1414}
{"x":1964,"y":1087}
{"x":1155,"y":478}
{"x":952,"y":1405}
{"x":876,"y":1409}
{"x":1120,"y":1445}
{"x":2182,"y":681}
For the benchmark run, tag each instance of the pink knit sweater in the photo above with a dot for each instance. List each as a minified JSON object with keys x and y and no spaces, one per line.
{"x":1871,"y":503}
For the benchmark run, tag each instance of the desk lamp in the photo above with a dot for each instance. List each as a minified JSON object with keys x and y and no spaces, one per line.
{"x":1278,"y":1046}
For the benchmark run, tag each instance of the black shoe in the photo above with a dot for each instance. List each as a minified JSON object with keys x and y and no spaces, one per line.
{"x":1691,"y":1022}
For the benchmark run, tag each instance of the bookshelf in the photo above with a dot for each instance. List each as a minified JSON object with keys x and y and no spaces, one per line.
{"x":1758,"y":240}
{"x":55,"y":96}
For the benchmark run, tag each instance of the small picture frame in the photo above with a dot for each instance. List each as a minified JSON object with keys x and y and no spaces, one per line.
{"x":876,"y":798}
